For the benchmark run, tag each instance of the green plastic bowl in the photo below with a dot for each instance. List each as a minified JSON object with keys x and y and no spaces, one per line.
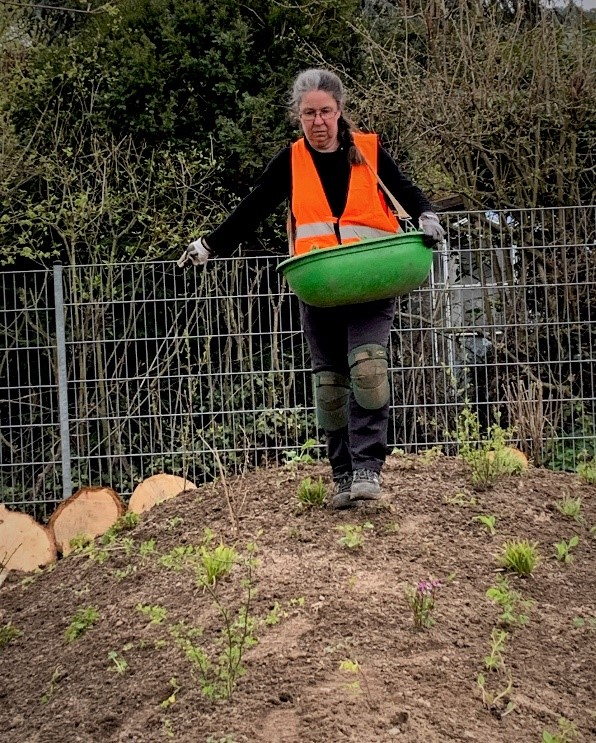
{"x":359,"y":272}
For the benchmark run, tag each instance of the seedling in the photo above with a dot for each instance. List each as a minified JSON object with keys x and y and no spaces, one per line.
{"x":570,"y":507}
{"x":493,"y":699}
{"x":155,"y":613}
{"x":124,"y":523}
{"x":83,"y":620}
{"x":57,"y":675}
{"x":311,"y":494}
{"x":218,"y":675}
{"x":120,"y":664}
{"x":7,"y":634}
{"x":352,"y":535}
{"x":563,"y":549}
{"x":588,"y":622}
{"x":275,"y":614}
{"x":147,"y":548}
{"x":121,"y":574}
{"x":179,"y":557}
{"x":293,"y":458}
{"x":494,"y":660}
{"x":214,"y":563}
{"x":488,"y":521}
{"x":461,"y":499}
{"x":587,"y":472}
{"x":488,"y":455}
{"x":567,"y":732}
{"x":520,"y":556}
{"x":421,"y":600}
{"x":174,"y":522}
{"x":171,"y":699}
{"x":353,"y":667}
{"x":510,"y":601}
{"x":80,"y":542}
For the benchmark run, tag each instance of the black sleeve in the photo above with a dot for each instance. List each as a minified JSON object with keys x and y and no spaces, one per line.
{"x":269,"y":191}
{"x":409,"y":195}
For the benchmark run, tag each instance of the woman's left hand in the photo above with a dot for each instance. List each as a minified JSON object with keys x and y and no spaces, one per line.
{"x":432,"y":229}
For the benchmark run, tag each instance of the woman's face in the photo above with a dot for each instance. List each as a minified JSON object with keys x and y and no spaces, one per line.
{"x":319,"y":114}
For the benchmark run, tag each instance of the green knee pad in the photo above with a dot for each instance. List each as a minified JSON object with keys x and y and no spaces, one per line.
{"x":368,"y":370}
{"x":332,"y":392}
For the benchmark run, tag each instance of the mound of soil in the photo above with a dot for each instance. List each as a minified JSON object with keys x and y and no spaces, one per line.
{"x":123,"y":643}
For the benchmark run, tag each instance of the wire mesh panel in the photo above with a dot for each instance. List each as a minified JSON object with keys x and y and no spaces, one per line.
{"x":190,"y":371}
{"x":30,"y":470}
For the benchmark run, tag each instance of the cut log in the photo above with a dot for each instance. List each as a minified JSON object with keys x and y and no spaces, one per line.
{"x":157,"y":489}
{"x":90,"y":512}
{"x":25,"y":544}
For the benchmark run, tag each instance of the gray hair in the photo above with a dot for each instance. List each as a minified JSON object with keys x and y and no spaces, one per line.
{"x":312,"y":80}
{"x":317,"y":79}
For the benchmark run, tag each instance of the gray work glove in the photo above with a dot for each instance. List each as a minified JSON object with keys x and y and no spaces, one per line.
{"x":431,"y":227}
{"x":197,"y":253}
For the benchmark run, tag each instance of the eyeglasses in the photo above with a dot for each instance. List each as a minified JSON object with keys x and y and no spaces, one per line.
{"x":310,"y":114}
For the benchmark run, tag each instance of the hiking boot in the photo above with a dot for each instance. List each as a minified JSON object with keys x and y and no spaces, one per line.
{"x":341,"y":498}
{"x":365,"y":485}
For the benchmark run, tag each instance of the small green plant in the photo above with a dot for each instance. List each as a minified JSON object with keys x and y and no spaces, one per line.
{"x":174,"y":522}
{"x":275,"y":614}
{"x":8,"y":633}
{"x":494,"y":660}
{"x":122,"y":573}
{"x":487,"y":455}
{"x":570,"y":507}
{"x":488,"y":521}
{"x":515,"y":609}
{"x":147,"y":548}
{"x":354,"y":668}
{"x":83,"y":620}
{"x":293,"y":458}
{"x":421,"y":599}
{"x":431,"y":455}
{"x":57,"y":676}
{"x":120,"y":664}
{"x":353,"y":538}
{"x":581,"y":622}
{"x":155,"y":613}
{"x":587,"y":471}
{"x":461,"y":499}
{"x":216,"y":562}
{"x":219,"y":672}
{"x":567,"y":732}
{"x":171,"y":699}
{"x":520,"y":556}
{"x":168,"y":728}
{"x":125,"y":523}
{"x":311,"y":494}
{"x":179,"y":557}
{"x":80,"y":542}
{"x":351,"y":666}
{"x":563,"y":549}
{"x":498,"y":699}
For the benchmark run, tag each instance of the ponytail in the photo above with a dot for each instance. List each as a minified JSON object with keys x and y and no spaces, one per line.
{"x":345,"y":130}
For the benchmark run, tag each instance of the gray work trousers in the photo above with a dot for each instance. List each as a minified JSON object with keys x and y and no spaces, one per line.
{"x":332,"y":333}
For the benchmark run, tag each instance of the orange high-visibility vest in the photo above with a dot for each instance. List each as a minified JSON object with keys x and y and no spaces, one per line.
{"x":365,"y":215}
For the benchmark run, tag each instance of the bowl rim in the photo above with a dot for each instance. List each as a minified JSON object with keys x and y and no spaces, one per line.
{"x":365,"y":245}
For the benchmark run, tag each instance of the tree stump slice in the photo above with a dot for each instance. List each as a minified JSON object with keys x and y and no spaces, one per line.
{"x":25,"y":544}
{"x":91,"y":511}
{"x":157,"y":489}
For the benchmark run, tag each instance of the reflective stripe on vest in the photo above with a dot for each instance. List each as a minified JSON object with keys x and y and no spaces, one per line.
{"x":366,"y":214}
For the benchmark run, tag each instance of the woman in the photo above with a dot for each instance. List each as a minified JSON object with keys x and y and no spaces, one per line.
{"x":330,"y":177}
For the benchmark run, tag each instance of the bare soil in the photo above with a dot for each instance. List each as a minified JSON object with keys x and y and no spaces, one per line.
{"x":337,"y":656}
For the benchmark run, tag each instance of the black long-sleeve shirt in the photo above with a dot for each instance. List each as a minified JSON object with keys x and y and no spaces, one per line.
{"x":275,"y":186}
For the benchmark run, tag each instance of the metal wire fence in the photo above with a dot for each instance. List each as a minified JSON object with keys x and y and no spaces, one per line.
{"x":112,"y":373}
